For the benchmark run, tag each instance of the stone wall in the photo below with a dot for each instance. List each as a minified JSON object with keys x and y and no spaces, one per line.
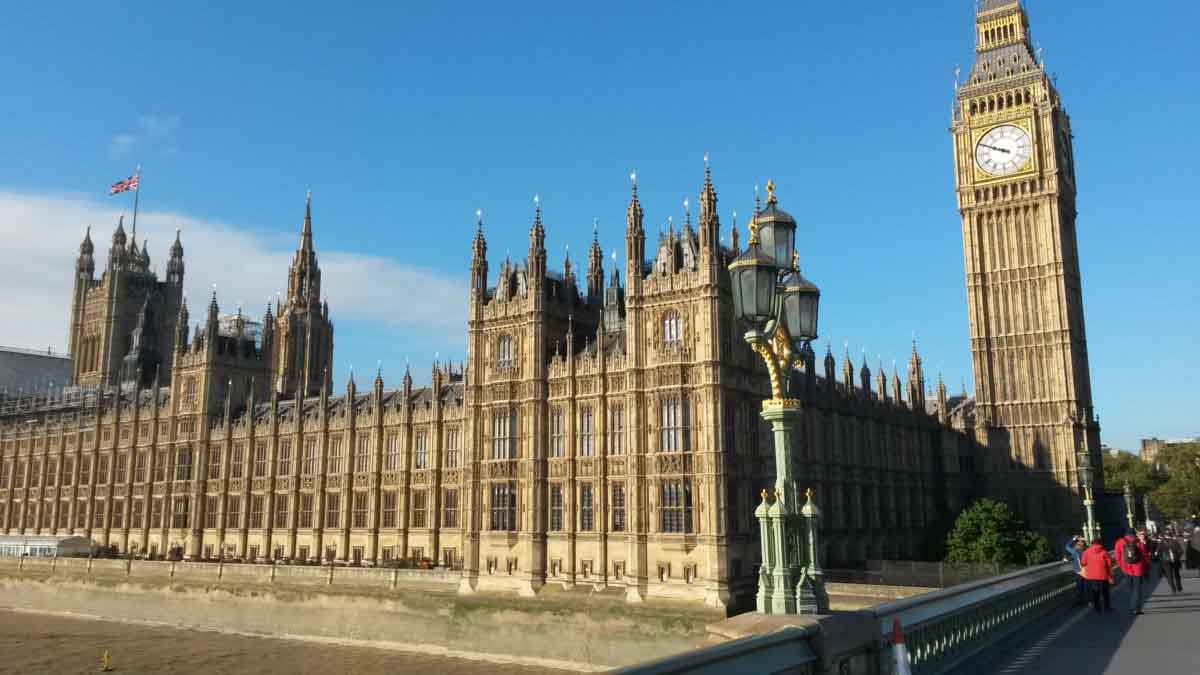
{"x":416,"y":609}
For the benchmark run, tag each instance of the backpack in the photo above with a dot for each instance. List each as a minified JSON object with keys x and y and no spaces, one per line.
{"x":1130,"y":554}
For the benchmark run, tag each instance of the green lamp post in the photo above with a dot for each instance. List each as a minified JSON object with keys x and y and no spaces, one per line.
{"x":779,"y":305}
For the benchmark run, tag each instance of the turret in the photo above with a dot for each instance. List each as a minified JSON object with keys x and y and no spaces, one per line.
{"x":181,"y":328}
{"x":943,"y":410}
{"x":537,"y":247}
{"x":916,"y":381}
{"x":710,"y":223}
{"x":897,"y":397}
{"x":635,"y":241}
{"x":595,"y":274}
{"x":85,"y":264}
{"x":848,"y":372}
{"x":830,"y":382}
{"x":864,"y":375}
{"x":881,"y":382}
{"x":479,"y":266}
{"x":116,"y":254}
{"x":175,"y":263}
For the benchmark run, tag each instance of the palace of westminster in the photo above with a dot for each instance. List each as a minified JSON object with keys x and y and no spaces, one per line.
{"x":605,"y":433}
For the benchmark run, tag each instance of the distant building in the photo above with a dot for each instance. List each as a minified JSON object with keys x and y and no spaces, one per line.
{"x":1152,"y":447}
{"x":30,"y":371}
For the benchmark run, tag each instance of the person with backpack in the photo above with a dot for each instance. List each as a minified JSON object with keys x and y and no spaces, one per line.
{"x":1170,"y":560}
{"x":1096,"y":567}
{"x":1134,"y":559}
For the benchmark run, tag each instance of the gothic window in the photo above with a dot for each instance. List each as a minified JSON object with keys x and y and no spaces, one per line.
{"x":260,"y":459}
{"x":672,"y":330}
{"x":179,"y":514}
{"x":135,"y":514}
{"x":333,"y":510}
{"x":337,"y":461}
{"x":255,"y":520}
{"x":101,"y":471}
{"x":618,"y":507}
{"x":453,"y":449}
{"x":283,"y":462}
{"x":214,"y":464}
{"x":122,"y":470}
{"x":360,"y":510}
{"x":362,"y":456}
{"x":4,"y":474}
{"x":419,"y":508}
{"x":586,"y":442}
{"x":556,"y":508}
{"x":504,"y":433}
{"x":233,"y":512}
{"x":586,"y":514}
{"x":236,"y":460}
{"x":504,"y":351}
{"x":391,"y":452}
{"x":421,"y":451}
{"x":281,"y":511}
{"x":305,"y":517}
{"x":189,"y":390}
{"x":308,"y":463}
{"x":673,"y":424}
{"x":450,"y":508}
{"x":504,"y":506}
{"x":676,"y":506}
{"x":616,"y":429}
{"x":557,"y":441}
{"x":389,"y":509}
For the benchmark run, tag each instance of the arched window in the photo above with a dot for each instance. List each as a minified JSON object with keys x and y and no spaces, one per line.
{"x":672,"y":329}
{"x":504,"y":351}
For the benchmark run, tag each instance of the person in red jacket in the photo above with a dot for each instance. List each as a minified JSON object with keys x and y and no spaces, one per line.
{"x":1134,"y":559}
{"x":1096,"y":568}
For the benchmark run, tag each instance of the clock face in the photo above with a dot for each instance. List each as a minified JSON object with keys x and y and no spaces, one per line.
{"x":1003,"y":150}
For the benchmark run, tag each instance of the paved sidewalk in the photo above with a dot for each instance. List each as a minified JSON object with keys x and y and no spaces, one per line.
{"x":1166,"y":639}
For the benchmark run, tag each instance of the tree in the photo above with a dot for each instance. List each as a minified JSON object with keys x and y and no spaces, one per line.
{"x":1120,"y":467}
{"x":987,"y":531}
{"x":1179,"y":495}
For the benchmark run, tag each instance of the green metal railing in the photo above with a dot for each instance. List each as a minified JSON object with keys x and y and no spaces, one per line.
{"x":941,"y":630}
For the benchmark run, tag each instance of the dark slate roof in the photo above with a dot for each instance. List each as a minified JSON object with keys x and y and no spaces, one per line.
{"x":1002,"y":62}
{"x":452,"y":393}
{"x":32,"y":371}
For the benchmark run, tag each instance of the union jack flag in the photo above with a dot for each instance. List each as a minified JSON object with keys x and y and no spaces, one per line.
{"x":130,"y":183}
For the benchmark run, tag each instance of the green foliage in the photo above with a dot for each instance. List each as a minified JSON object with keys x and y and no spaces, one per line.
{"x":987,"y":531}
{"x":1122,"y":466}
{"x":1179,"y":495}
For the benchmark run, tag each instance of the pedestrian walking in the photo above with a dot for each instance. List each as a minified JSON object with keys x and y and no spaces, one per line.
{"x":1074,"y":550}
{"x":1134,"y":560}
{"x":1170,"y":557}
{"x":1193,"y":552}
{"x":1096,"y":566}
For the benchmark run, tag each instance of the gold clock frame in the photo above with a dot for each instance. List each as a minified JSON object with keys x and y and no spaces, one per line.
{"x":977,"y":134}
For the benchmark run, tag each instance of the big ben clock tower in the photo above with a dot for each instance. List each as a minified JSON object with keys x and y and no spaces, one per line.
{"x":1015,"y":180}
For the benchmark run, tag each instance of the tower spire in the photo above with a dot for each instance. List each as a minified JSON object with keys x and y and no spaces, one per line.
{"x":306,"y":229}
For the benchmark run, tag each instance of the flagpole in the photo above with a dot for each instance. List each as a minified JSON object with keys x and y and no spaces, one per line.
{"x":137,"y":191}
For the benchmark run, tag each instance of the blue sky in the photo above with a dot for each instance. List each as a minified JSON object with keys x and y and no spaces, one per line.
{"x":403,"y":118}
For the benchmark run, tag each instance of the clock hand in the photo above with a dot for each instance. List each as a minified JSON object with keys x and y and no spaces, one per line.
{"x":992,"y":147}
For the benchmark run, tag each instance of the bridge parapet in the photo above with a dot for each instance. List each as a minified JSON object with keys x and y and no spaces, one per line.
{"x":941,"y":629}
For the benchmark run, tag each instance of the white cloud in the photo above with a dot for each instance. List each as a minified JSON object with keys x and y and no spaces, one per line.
{"x":154,"y":133}
{"x":43,"y":232}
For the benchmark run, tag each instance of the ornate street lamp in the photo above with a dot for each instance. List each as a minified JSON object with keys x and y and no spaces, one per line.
{"x":1130,"y":504}
{"x":1083,"y":462}
{"x":780,"y":307}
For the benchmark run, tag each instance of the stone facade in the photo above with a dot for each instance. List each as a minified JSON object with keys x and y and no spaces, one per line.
{"x":609,"y":436}
{"x":1015,"y":178}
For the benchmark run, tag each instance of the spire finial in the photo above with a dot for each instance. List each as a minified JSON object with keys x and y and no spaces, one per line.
{"x":687,"y":212}
{"x":771,"y":191}
{"x":479,"y":220}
